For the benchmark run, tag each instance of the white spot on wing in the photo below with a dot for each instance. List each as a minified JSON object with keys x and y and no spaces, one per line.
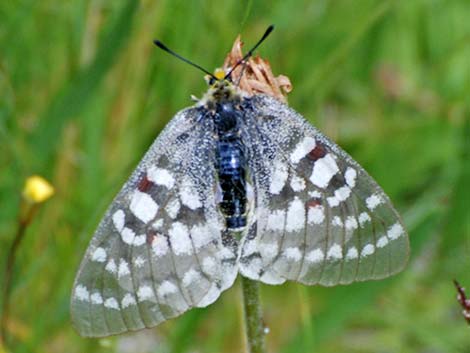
{"x":123,"y":268}
{"x":323,"y":170}
{"x":209,"y":266}
{"x":157,"y":224}
{"x":350,"y":177}
{"x":367,"y":250}
{"x":139,"y":262}
{"x":340,"y":195}
{"x":314,"y":194}
{"x":395,"y":231}
{"x":373,"y":201}
{"x":269,"y":251}
{"x":332,"y":201}
{"x":144,"y":292}
{"x":160,"y":177}
{"x":159,"y":245}
{"x":127,"y":235}
{"x":352,"y":253}
{"x":302,"y":148}
{"x":316,"y":215}
{"x":189,"y":195}
{"x":179,"y":239}
{"x":190,"y":277}
{"x":350,"y":223}
{"x":139,"y":240}
{"x":278,"y":178}
{"x":201,"y":235}
{"x":99,"y":255}
{"x":143,"y":206}
{"x":364,"y":218}
{"x":172,"y":208}
{"x":111,"y":303}
{"x":81,"y":293}
{"x":128,"y":300}
{"x":335,"y":252}
{"x":96,"y":298}
{"x":295,"y":219}
{"x":118,"y":220}
{"x":315,"y":256}
{"x":166,"y":288}
{"x":336,"y":221}
{"x":111,"y":266}
{"x":293,"y":254}
{"x":343,"y":193}
{"x":297,"y":184}
{"x":382,"y":241}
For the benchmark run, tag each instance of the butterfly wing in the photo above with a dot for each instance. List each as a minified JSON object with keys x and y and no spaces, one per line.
{"x":160,"y":248}
{"x":319,"y":218}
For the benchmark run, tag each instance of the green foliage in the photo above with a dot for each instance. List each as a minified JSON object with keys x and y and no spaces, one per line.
{"x":83,"y":92}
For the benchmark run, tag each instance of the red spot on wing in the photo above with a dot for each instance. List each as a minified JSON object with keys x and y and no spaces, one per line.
{"x":144,"y":184}
{"x":318,"y":152}
{"x":314,"y":202}
{"x":151,"y":235}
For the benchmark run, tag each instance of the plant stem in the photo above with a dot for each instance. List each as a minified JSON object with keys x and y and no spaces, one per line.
{"x":23,"y":223}
{"x":254,"y":327}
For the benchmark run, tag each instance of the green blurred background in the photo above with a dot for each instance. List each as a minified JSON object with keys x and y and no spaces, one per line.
{"x":83,"y":93}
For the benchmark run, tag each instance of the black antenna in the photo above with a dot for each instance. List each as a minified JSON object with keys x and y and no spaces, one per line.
{"x":250,"y":52}
{"x":247,"y":55}
{"x":164,"y":47}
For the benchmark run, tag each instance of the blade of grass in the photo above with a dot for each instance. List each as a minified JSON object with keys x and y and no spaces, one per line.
{"x":324,"y":74}
{"x":74,"y":96}
{"x":458,"y":215}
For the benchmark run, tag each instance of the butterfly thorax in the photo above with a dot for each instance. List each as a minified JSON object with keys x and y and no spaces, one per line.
{"x":220,"y":91}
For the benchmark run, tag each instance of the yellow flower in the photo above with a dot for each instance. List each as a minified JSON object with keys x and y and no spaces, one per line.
{"x":37,"y":189}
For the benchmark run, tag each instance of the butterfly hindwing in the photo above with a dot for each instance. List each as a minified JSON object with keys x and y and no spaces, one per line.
{"x":320,"y":218}
{"x":160,"y":249}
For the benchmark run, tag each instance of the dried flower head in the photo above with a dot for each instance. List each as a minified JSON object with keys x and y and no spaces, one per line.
{"x":257,"y":76}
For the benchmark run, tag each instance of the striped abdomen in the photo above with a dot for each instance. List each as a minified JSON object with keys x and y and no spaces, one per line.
{"x":231,"y":166}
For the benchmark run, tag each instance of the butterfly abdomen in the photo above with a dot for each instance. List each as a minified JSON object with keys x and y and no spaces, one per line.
{"x":231,"y":165}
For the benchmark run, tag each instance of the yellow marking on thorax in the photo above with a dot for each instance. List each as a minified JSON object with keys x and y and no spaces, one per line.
{"x":219,"y":73}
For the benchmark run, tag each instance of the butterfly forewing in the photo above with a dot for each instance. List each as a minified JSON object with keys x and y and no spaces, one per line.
{"x":234,"y":169}
{"x":159,"y":250}
{"x":319,"y":217}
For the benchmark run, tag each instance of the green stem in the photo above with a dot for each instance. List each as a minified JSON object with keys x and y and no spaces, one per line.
{"x":254,"y":327}
{"x":23,"y":223}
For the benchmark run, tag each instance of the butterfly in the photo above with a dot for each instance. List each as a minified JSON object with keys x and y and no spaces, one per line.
{"x":235,"y":184}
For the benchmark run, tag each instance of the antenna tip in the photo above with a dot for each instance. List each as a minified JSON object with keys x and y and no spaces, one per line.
{"x":159,"y":44}
{"x":268,"y":31}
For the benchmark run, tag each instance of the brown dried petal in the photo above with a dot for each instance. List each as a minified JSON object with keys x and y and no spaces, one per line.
{"x":257,"y":76}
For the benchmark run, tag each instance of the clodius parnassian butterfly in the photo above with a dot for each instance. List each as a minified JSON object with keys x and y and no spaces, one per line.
{"x":235,"y":184}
